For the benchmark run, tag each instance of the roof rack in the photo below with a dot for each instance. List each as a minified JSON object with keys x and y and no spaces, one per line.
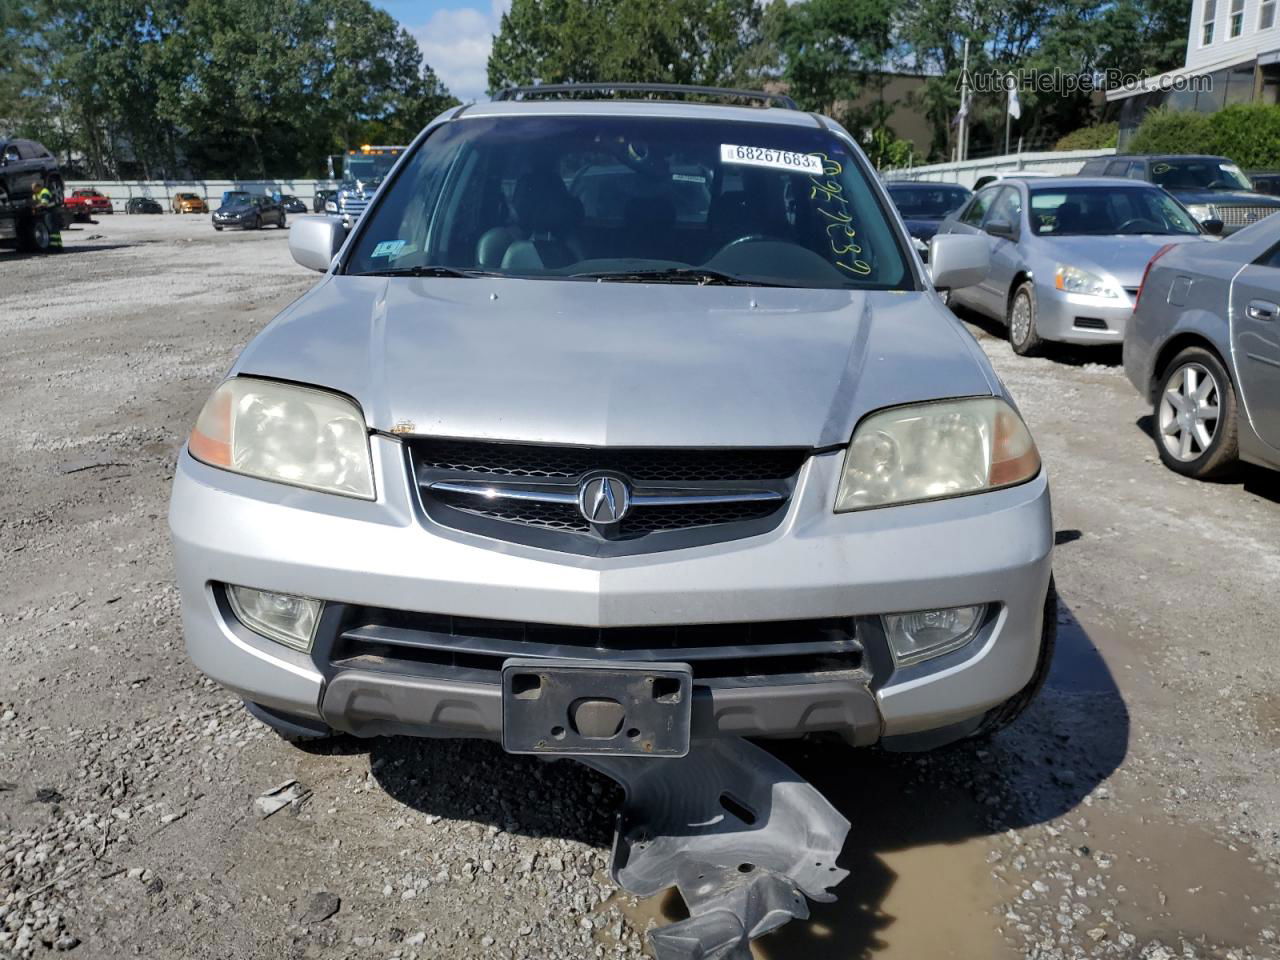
{"x":561,"y":89}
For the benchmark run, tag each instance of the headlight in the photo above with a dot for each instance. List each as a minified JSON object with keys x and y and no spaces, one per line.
{"x":928,"y":451}
{"x":1075,"y":280}
{"x":276,"y":431}
{"x":1203,"y":211}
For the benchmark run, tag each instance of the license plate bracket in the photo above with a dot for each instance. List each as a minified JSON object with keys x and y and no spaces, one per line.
{"x":581,"y":708}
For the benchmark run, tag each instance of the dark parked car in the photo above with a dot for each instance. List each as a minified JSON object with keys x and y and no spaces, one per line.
{"x":249,"y":212}
{"x":924,"y":205}
{"x":292,"y":204}
{"x":1212,"y":188}
{"x":1265,"y":181}
{"x":317,"y":204}
{"x":22,"y":164}
{"x":142,"y":205}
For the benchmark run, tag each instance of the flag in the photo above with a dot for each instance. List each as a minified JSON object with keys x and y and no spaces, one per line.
{"x":1015,"y":108}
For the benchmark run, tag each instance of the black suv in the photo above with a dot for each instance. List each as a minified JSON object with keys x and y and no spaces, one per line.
{"x":22,"y":163}
{"x":1212,"y":188}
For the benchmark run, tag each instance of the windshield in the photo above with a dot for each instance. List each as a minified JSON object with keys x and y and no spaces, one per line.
{"x":619,"y":197}
{"x":233,"y":197}
{"x":369,"y":168}
{"x":927,"y":202}
{"x":1079,"y":211}
{"x":1199,"y":173}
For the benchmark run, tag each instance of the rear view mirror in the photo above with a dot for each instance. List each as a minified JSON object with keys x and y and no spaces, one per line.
{"x":958,"y":260}
{"x":315,"y":241}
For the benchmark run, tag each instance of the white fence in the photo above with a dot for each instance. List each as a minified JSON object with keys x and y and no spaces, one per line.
{"x":967,"y":172}
{"x":163,"y":191}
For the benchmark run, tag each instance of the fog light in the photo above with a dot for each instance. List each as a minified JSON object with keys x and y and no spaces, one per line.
{"x":277,"y":616}
{"x":925,"y":634}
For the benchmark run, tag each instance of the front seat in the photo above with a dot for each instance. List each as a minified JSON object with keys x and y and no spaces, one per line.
{"x":546,"y":214}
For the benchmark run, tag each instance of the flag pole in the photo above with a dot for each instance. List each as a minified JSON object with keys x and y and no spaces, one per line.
{"x":963,"y":146}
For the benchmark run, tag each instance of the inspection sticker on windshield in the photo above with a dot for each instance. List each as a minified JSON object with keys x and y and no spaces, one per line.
{"x":768,"y":157}
{"x":390,"y":248}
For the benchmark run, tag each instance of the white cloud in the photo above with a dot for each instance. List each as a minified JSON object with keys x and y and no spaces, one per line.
{"x":456,"y":44}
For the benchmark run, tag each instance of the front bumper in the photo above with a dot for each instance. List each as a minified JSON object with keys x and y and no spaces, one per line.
{"x":993,"y":548}
{"x":1073,"y":318}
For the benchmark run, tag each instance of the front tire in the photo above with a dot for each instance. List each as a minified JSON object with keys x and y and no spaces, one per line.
{"x":33,"y":235}
{"x":1195,"y":417}
{"x":1022,"y":321}
{"x":281,"y":223}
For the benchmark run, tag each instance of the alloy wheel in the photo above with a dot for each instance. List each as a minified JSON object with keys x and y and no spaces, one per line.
{"x":1189,"y":412}
{"x":1020,"y":319}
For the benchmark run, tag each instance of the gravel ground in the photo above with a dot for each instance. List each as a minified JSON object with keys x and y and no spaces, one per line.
{"x":1134,"y":812}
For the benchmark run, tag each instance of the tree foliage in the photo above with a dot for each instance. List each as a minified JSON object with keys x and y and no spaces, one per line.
{"x":1248,"y":133}
{"x":158,"y":88}
{"x":1090,"y":138}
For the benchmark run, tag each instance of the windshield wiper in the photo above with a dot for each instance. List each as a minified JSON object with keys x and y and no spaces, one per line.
{"x":676,"y":275}
{"x":430,"y":271}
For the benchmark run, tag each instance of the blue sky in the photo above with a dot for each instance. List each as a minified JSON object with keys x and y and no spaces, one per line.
{"x":455,"y":37}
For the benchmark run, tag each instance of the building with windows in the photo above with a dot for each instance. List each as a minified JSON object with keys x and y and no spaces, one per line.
{"x":1233,"y":56}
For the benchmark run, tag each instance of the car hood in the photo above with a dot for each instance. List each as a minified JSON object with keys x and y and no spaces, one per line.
{"x":619,"y":364}
{"x":1226,"y":198}
{"x":1123,"y":257}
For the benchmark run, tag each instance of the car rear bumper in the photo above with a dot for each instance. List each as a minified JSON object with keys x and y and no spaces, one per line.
{"x":994,"y":548}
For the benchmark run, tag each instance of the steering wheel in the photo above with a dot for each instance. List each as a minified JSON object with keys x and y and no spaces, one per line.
{"x":745,"y":238}
{"x":1150,"y":225}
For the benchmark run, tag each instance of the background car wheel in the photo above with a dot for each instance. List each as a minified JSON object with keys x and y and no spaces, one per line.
{"x":281,"y":223}
{"x":1022,"y":321}
{"x":257,"y":224}
{"x":33,"y":235}
{"x":1194,"y":418}
{"x":56,"y":188}
{"x":1000,"y":717}
{"x":218,"y":228}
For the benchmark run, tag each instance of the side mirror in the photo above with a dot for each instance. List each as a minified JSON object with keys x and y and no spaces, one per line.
{"x":1212,"y":226}
{"x":315,"y":241}
{"x":958,"y":260}
{"x":1000,"y":228}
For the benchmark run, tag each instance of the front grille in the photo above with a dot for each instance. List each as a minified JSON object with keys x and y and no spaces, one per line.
{"x":533,"y":461}
{"x":1240,"y":215}
{"x":353,"y":206}
{"x":388,"y":639}
{"x":721,"y":494}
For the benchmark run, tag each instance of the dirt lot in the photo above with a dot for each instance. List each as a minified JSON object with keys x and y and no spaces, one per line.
{"x":1135,"y":812}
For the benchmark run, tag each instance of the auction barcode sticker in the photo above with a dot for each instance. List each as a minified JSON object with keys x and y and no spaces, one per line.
{"x":768,"y":157}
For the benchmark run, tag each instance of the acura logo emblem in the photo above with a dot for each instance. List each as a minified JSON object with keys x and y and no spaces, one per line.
{"x":604,"y":499}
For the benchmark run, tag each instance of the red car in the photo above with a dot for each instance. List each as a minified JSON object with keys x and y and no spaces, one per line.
{"x":85,"y":203}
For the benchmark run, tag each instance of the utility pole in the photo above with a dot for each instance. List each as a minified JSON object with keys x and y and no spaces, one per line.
{"x":962,"y":146}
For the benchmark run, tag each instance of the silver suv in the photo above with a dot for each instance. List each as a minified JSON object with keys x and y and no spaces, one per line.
{"x":613,"y":424}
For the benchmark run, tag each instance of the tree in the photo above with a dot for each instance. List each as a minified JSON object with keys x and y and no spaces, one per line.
{"x":583,"y":41}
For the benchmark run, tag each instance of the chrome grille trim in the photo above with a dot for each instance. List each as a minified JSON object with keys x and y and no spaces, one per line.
{"x":640,"y":496}
{"x":1242,"y":214}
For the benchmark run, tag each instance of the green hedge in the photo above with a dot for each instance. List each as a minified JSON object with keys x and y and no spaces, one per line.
{"x":1090,"y":138}
{"x":1248,"y":133}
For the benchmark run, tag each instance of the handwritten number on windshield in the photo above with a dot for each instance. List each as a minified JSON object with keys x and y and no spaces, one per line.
{"x":828,"y":193}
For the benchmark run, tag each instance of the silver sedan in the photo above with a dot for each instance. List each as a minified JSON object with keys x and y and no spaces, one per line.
{"x":1067,"y":254}
{"x":1204,"y":348}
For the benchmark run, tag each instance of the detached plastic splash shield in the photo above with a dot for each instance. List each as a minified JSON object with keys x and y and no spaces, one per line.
{"x":742,"y":837}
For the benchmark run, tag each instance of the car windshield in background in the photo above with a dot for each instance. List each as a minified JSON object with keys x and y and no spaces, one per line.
{"x":369,"y":169}
{"x":927,"y":202}
{"x":1198,"y":174}
{"x":1079,"y":211}
{"x":635,"y":198}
